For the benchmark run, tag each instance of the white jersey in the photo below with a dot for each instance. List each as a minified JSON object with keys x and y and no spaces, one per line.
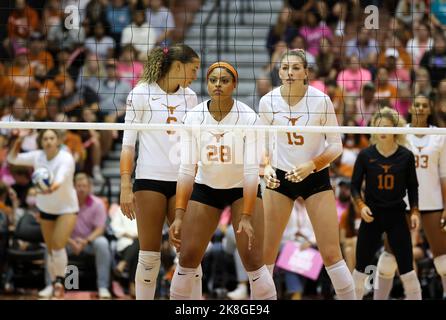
{"x":289,"y":149}
{"x":430,"y":161}
{"x":64,"y":199}
{"x":223,"y":157}
{"x":158,"y":157}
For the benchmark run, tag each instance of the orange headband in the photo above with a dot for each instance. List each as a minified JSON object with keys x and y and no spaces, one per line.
{"x":221,"y":64}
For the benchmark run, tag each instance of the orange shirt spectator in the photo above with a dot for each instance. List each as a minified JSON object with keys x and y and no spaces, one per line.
{"x":20,"y":73}
{"x":35,"y":103}
{"x":22,"y":21}
{"x":6,"y":84}
{"x":74,"y":142}
{"x":38,"y":54}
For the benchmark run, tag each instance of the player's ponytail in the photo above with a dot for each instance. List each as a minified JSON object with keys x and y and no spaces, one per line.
{"x":160,"y":60}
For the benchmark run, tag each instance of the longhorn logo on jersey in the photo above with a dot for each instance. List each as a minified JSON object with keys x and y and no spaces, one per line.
{"x":169,"y":118}
{"x":292,"y":120}
{"x":386,"y":167}
{"x":218,"y":136}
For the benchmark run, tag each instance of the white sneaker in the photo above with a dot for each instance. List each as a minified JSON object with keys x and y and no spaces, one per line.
{"x":240,"y":293}
{"x":104,"y":293}
{"x":47,"y":292}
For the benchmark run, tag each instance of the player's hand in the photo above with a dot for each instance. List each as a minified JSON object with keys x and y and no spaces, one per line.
{"x":245,"y":225}
{"x":367,"y":215}
{"x":271,"y":178}
{"x":175,"y":233}
{"x":443,"y":221}
{"x":127,"y":202}
{"x":300,"y":172}
{"x":415,"y":220}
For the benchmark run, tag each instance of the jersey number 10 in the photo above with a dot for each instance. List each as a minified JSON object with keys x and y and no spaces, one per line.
{"x":386,"y":181}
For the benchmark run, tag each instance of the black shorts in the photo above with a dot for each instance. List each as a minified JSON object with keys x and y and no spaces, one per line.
{"x":218,"y":198}
{"x":422,"y":212}
{"x":314,"y":183}
{"x":49,"y":216}
{"x":167,"y":188}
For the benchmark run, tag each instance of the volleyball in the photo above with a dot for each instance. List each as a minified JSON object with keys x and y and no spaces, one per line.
{"x":42,"y":178}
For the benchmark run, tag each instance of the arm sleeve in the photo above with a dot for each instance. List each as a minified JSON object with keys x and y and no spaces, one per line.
{"x":357,"y":178}
{"x":24,"y":158}
{"x":334,"y":141}
{"x":412,"y":182}
{"x":66,"y":170}
{"x":133,"y":114}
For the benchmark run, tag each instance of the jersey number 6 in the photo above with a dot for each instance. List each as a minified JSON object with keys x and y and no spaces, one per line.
{"x":169,"y":120}
{"x":295,"y":139}
{"x":222,"y":153}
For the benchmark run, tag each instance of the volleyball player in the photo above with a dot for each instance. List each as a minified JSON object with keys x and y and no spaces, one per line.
{"x":299,"y":167}
{"x":58,"y":205}
{"x":388,"y":169}
{"x":227,"y":174}
{"x":161,"y":96}
{"x":430,"y":161}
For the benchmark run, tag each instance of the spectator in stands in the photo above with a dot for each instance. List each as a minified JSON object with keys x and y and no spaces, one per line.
{"x":87,"y":236}
{"x":366,"y":104}
{"x":161,"y":20}
{"x":15,"y":111}
{"x":52,"y":15}
{"x":22,"y":21}
{"x":326,"y":61}
{"x":129,"y":68}
{"x":398,"y":76}
{"x":410,"y":11}
{"x":37,"y":52}
{"x":61,"y":37}
{"x":438,"y":13}
{"x":118,"y":16}
{"x":283,"y":30}
{"x":313,"y":31}
{"x":139,"y":33}
{"x":364,"y":47}
{"x":422,"y":83}
{"x":420,"y":43}
{"x":20,"y":73}
{"x":440,"y":103}
{"x":386,"y":94}
{"x":112,"y":93}
{"x":352,"y":78}
{"x":100,"y":44}
{"x":48,"y":88}
{"x":435,"y":60}
{"x":34,"y":103}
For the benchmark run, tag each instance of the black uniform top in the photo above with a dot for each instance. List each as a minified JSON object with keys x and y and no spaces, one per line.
{"x":386,"y":179}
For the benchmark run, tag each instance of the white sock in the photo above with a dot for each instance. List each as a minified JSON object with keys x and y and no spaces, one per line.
{"x":411,"y":285}
{"x":197,"y":286}
{"x":147,"y":270}
{"x":387,"y":267}
{"x":359,"y":279}
{"x":440,"y":266}
{"x":270,"y":269}
{"x":182,"y":283}
{"x":342,"y":280}
{"x":50,"y":267}
{"x":60,"y":261}
{"x":262,"y":284}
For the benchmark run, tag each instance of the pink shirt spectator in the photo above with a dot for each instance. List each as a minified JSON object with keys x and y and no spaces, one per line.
{"x":313,"y":37}
{"x":91,"y":216}
{"x":130,"y":74}
{"x":352,"y":81}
